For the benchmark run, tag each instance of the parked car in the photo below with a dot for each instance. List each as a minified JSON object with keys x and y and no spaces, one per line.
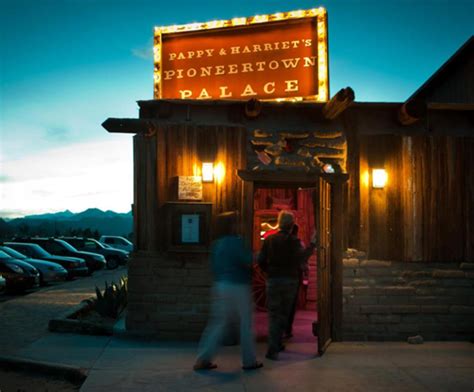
{"x":114,"y":257}
{"x":117,"y":242}
{"x":73,"y":265}
{"x":3,"y":283}
{"x":19,"y":276}
{"x":49,"y":271}
{"x":60,"y":247}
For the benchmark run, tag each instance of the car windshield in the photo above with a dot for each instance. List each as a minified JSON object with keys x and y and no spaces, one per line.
{"x":67,"y":245}
{"x":3,"y":255}
{"x":39,"y":250}
{"x":99,"y":244}
{"x":13,"y":252}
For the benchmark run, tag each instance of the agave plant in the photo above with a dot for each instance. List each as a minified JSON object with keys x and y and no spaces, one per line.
{"x":113,"y":300}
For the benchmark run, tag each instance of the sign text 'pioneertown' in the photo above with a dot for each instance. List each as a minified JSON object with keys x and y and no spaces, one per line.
{"x":243,"y":58}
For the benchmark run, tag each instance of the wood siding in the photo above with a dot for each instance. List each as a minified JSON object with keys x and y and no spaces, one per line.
{"x":179,"y":151}
{"x":425,"y":212}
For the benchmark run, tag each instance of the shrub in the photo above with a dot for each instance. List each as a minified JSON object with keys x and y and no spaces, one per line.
{"x":113,"y":300}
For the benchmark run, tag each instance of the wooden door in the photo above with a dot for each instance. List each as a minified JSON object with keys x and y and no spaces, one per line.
{"x":323,"y":325}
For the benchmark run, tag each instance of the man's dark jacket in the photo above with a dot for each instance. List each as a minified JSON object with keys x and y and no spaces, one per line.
{"x":282,"y":255}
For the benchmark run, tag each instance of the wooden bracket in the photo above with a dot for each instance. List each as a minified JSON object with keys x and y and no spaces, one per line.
{"x":253,"y":108}
{"x":338,"y":103}
{"x":411,"y":111}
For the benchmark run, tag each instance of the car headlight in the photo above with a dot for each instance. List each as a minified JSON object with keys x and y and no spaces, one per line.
{"x":15,"y":268}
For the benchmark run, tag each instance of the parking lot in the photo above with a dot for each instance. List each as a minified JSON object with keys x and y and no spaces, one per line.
{"x":24,"y":317}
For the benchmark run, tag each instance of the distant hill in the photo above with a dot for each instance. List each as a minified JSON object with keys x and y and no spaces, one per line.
{"x":69,"y":223}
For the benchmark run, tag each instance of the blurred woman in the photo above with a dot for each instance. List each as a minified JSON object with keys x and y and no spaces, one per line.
{"x":231,"y":264}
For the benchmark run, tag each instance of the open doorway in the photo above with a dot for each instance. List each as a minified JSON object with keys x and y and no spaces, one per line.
{"x":268,"y":201}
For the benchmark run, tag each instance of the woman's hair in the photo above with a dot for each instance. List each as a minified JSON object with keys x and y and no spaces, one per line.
{"x":226,"y":223}
{"x":286,"y":219}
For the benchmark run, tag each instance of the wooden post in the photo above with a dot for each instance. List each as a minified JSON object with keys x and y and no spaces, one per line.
{"x":338,"y":103}
{"x":337,"y":243}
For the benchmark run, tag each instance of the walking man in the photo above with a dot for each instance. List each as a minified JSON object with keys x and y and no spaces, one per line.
{"x":281,"y":258}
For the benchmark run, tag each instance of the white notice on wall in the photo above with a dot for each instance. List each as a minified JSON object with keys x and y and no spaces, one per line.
{"x":190,"y":229}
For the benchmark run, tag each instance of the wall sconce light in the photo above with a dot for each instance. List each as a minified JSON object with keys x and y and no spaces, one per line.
{"x":207,"y":172}
{"x":379,"y":178}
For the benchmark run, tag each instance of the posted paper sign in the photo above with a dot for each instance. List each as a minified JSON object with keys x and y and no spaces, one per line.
{"x":190,"y":229}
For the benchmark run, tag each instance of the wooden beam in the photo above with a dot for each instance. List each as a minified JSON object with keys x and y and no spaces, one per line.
{"x":411,"y":111}
{"x":289,"y":177}
{"x":338,"y":103}
{"x":128,"y":125}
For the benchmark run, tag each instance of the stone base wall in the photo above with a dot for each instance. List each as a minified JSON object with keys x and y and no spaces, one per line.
{"x":390,"y":300}
{"x":168,"y":295}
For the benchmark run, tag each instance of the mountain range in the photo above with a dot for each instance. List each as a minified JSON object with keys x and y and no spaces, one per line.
{"x":67,"y":223}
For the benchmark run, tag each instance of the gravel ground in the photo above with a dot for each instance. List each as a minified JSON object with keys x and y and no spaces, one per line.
{"x":12,"y":381}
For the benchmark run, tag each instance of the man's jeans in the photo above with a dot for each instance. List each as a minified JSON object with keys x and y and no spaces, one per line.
{"x":280,"y":296}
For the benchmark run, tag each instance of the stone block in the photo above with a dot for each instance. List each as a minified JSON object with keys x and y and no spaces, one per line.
{"x":399,"y":291}
{"x":348,"y":273}
{"x":352,"y":262}
{"x":416,"y":274}
{"x":375,"y":309}
{"x":405,"y":328}
{"x":367,"y":328}
{"x":470,"y":275}
{"x":354,"y":319}
{"x":375,"y":264}
{"x":362,"y":282}
{"x":436,"y":309}
{"x":448,"y":274}
{"x":378,"y":272}
{"x":405,"y":308}
{"x":460,"y":309}
{"x":196,"y":281}
{"x":438,"y":291}
{"x":457,"y":282}
{"x":360,"y":272}
{"x":364,"y":290}
{"x":390,"y":281}
{"x":354,"y":337}
{"x":350,"y":309}
{"x":384,"y":319}
{"x":424,"y":282}
{"x":395,"y":300}
{"x":347,"y":290}
{"x":467,"y":266}
{"x":417,"y":339}
{"x":418,"y":318}
{"x":199,"y":290}
{"x":383,"y":337}
{"x":166,"y":299}
{"x":362,"y":300}
{"x":454,"y":318}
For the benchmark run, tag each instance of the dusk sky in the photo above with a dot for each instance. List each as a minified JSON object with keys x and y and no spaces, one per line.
{"x":67,"y":65}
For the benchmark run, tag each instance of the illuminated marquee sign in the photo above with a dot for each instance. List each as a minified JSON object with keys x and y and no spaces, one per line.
{"x":281,"y":56}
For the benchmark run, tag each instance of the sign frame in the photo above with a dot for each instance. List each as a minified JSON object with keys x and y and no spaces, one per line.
{"x":320,"y":14}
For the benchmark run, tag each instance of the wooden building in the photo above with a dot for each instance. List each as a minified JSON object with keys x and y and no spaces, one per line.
{"x":393,"y":260}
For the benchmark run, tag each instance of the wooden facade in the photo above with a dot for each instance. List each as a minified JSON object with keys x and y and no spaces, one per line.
{"x":424,"y":213}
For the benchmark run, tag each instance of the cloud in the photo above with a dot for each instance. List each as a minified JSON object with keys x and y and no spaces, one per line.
{"x":76,"y":177}
{"x":144,"y":52}
{"x":57,"y":133}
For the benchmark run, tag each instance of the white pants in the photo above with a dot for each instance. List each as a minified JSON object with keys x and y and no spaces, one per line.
{"x":229,"y":300}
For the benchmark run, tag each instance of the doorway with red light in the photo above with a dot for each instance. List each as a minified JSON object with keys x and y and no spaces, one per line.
{"x":268,"y":201}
